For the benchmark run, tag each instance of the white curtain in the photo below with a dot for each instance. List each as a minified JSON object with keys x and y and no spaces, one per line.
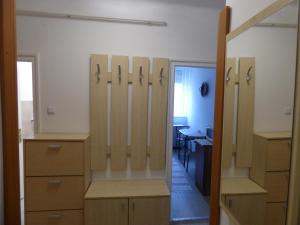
{"x":182,"y":101}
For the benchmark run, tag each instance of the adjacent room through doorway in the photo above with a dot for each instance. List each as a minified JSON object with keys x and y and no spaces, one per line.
{"x":26,"y":113}
{"x":194,"y":96}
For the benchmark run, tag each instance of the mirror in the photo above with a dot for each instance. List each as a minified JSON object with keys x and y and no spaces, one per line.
{"x":258,"y":117}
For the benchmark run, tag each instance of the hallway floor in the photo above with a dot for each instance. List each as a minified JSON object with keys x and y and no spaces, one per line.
{"x":187,"y":202}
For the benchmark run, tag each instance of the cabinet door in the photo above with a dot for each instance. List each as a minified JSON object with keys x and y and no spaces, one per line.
{"x":276,"y":213}
{"x":277,"y":185}
{"x":106,"y":212}
{"x":278,"y":155}
{"x":241,"y":207}
{"x":149,"y":211}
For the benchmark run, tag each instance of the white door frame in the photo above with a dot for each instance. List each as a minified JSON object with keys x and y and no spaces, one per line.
{"x":33,"y":58}
{"x":169,"y":147}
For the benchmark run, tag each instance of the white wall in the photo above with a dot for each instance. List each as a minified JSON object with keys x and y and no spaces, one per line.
{"x":64,"y":47}
{"x":274,"y":50}
{"x":202,"y":108}
{"x":242,"y":10}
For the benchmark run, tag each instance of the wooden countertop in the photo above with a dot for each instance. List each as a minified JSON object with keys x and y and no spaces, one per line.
{"x":127,"y":188}
{"x":238,"y":186}
{"x":58,"y":137}
{"x":275,"y":135}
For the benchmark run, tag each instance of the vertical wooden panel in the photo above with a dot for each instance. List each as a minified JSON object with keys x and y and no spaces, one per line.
{"x":293,"y":217}
{"x":98,"y":111}
{"x":8,"y":80}
{"x":119,"y":112}
{"x":139,"y":113}
{"x":245,"y":112}
{"x":224,"y":24}
{"x":228,"y":115}
{"x":159,"y":113}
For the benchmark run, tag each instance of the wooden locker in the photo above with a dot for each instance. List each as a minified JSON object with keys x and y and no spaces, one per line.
{"x":98,"y":111}
{"x":139,"y":113}
{"x":228,"y":114}
{"x":159,"y":106}
{"x":245,"y":112}
{"x":119,"y":112}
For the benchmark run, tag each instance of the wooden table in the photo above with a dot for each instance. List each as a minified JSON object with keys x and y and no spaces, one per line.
{"x":177,"y":135}
{"x":188,"y":135}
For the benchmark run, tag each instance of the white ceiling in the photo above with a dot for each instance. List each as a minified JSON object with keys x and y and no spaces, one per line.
{"x":59,"y":5}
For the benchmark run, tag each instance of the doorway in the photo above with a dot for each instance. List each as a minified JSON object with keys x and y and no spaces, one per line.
{"x":192,"y":126}
{"x":27,"y":121}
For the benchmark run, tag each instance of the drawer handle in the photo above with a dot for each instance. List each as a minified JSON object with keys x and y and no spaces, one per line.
{"x":54,"y":181}
{"x":229,"y":203}
{"x":54,"y":147}
{"x":54,"y":216}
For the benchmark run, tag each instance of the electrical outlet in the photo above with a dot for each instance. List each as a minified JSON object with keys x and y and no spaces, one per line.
{"x":287,"y":110}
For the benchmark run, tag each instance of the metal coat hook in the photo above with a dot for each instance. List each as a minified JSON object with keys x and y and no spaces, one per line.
{"x":141,"y":76}
{"x":248,"y":76}
{"x":119,"y":69}
{"x":227,"y":74}
{"x":161,"y":74}
{"x":98,"y":73}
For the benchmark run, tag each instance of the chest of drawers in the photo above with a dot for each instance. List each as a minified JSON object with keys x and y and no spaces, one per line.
{"x":271,"y":170}
{"x":57,"y":175}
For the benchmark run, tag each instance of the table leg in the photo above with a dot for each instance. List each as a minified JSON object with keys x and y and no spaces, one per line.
{"x":179,"y":147}
{"x":185,"y":149}
{"x":176,"y":135}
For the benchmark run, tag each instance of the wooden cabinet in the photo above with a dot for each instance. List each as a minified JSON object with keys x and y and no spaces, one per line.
{"x":127,"y":203}
{"x":277,"y":184}
{"x":57,"y":173}
{"x":239,"y":197}
{"x":106,"y":211}
{"x":65,"y":217}
{"x":149,"y":211}
{"x":276,"y":213}
{"x":271,"y":170}
{"x":241,"y":207}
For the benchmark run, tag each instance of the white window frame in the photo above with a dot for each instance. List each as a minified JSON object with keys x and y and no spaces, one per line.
{"x":35,"y":86}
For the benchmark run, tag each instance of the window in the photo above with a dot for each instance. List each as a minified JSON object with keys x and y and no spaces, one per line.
{"x":179,"y":110}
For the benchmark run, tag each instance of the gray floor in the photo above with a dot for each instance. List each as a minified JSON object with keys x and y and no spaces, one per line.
{"x":187,"y":202}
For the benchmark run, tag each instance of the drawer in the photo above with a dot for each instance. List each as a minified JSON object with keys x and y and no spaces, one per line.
{"x":276,"y":213}
{"x":276,"y":183}
{"x":50,"y":158}
{"x":54,"y":193}
{"x":278,"y":155}
{"x":66,"y":217}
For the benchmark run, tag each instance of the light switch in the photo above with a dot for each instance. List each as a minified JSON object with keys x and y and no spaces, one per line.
{"x":51,"y":110}
{"x":287,"y":110}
